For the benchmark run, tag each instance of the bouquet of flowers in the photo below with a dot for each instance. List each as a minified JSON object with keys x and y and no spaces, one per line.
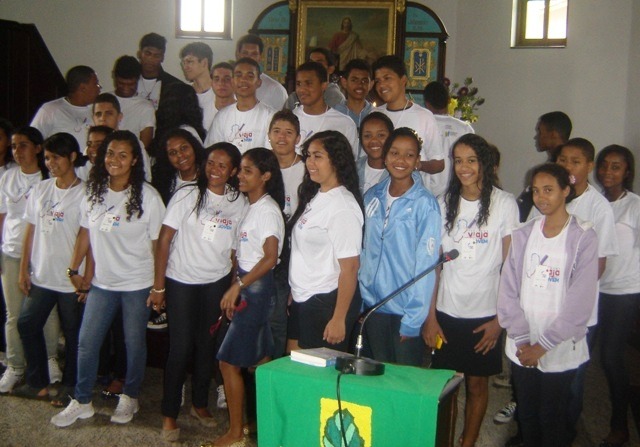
{"x":464,"y":100}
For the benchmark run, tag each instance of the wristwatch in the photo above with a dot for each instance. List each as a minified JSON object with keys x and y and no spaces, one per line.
{"x":71,"y":273}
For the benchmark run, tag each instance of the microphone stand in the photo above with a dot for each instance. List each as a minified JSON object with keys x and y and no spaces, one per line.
{"x":363,"y":366}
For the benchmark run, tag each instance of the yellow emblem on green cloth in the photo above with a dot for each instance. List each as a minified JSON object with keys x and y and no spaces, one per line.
{"x":357,"y":422}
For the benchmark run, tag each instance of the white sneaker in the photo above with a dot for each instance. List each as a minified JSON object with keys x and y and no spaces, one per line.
{"x":74,"y":411}
{"x":505,"y":414}
{"x":127,"y":407}
{"x":10,"y":379}
{"x":222,"y":398}
{"x":55,"y":374}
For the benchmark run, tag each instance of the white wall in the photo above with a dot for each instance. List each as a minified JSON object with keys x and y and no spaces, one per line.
{"x":632,"y":132}
{"x":588,"y":79}
{"x":96,"y":33}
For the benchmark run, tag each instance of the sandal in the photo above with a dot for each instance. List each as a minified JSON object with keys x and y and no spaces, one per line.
{"x":28,"y":392}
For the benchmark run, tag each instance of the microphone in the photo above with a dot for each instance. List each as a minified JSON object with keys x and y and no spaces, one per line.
{"x":367,"y":367}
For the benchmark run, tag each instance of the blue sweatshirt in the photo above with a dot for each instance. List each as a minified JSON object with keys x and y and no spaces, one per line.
{"x":395,"y":254}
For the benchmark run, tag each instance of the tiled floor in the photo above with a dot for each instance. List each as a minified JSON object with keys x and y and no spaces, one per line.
{"x":26,"y":423}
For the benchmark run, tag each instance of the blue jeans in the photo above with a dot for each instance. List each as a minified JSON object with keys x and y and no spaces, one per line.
{"x":35,"y":312}
{"x":101,"y":308}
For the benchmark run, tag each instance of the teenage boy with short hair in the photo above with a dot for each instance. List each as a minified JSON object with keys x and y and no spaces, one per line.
{"x":153,"y":79}
{"x":356,"y":81}
{"x":196,"y":59}
{"x":246,"y":123}
{"x":71,"y":113}
{"x":139,"y":116}
{"x":436,"y":100}
{"x":332,"y":95}
{"x":270,"y":92}
{"x":314,"y":114}
{"x":391,"y":80}
{"x":222,"y":85}
{"x":107,"y":112}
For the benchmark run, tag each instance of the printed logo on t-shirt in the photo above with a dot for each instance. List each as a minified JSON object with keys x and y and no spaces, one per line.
{"x":465,"y":230}
{"x":542,"y":274}
{"x":244,"y":237}
{"x":238,"y":137}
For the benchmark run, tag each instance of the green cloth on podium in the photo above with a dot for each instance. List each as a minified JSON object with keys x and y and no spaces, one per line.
{"x":297,"y":406}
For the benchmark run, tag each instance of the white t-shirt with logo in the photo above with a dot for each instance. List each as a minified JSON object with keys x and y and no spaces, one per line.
{"x":468,"y":286}
{"x":330,"y":229}
{"x":450,"y":130}
{"x":422,"y":121}
{"x":15,"y":188}
{"x":55,"y":215}
{"x":621,"y":277}
{"x":292,"y":178}
{"x":201,"y":249}
{"x":244,"y":129}
{"x":137,"y":114}
{"x":329,"y":120}
{"x":60,"y":115}
{"x":263,"y":220}
{"x":542,"y":295}
{"x":591,"y":206}
{"x":122,"y":249}
{"x":372,"y":177}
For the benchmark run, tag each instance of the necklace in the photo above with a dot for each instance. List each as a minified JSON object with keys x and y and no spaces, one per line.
{"x":147,"y":93}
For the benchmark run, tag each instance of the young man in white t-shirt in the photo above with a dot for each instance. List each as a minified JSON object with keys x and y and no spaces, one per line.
{"x":390,"y":76}
{"x":196,"y":59}
{"x":72,"y":113}
{"x":246,"y":123}
{"x":222,"y":85}
{"x":314,"y":114}
{"x":332,"y":95}
{"x":436,"y":100}
{"x":139,"y":116}
{"x":107,"y":112}
{"x":270,"y":92}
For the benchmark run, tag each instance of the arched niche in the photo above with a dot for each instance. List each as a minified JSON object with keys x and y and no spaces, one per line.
{"x":418,"y":36}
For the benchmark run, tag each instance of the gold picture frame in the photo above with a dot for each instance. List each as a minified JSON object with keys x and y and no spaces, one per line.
{"x":370,"y":34}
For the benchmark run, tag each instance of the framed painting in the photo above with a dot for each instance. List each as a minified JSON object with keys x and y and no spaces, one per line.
{"x":364,"y":29}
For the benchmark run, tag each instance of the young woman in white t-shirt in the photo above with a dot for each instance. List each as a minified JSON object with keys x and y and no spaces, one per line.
{"x":6,"y":158}
{"x":194,"y":261}
{"x":545,"y":304}
{"x":248,"y":302}
{"x":52,"y":224}
{"x":477,"y":221}
{"x":620,"y":283}
{"x":178,"y":158}
{"x":326,"y":241}
{"x":15,"y":187}
{"x":284,"y":135}
{"x":120,"y":224}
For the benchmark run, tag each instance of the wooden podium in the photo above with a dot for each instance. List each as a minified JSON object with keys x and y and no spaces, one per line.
{"x":297,"y":406}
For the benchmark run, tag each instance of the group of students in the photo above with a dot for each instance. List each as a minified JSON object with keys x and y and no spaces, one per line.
{"x":256,"y":251}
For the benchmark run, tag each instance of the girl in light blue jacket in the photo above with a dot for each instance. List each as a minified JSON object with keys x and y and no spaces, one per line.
{"x":401,"y":240}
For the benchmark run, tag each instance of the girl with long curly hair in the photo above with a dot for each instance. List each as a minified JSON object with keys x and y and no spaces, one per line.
{"x":478,"y":220}
{"x":194,"y":261}
{"x":326,"y":241}
{"x":120,"y":224}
